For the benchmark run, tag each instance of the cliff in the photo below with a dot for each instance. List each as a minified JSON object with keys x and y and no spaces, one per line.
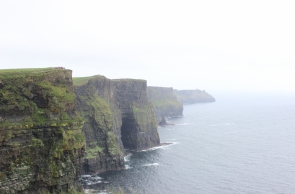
{"x":139,"y":125}
{"x":41,"y":140}
{"x":102,"y":128}
{"x":194,"y":96}
{"x":165,"y":102}
{"x":117,"y":116}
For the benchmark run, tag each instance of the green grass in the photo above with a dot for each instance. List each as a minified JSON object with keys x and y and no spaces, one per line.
{"x":24,"y":70}
{"x":93,"y":152}
{"x":78,"y":81}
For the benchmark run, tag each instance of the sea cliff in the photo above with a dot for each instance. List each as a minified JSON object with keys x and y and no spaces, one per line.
{"x":165,"y":102}
{"x":41,"y":140}
{"x":53,"y":130}
{"x":194,"y":96}
{"x":117,"y":116}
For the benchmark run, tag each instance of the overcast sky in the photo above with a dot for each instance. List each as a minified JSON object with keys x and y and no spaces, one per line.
{"x":212,"y":45}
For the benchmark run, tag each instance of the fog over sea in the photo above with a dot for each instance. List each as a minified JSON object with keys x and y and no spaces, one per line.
{"x":239,"y":144}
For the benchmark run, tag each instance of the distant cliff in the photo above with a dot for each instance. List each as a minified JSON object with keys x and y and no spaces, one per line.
{"x":41,"y":140}
{"x":117,"y":116}
{"x":165,"y":102}
{"x":194,"y":96}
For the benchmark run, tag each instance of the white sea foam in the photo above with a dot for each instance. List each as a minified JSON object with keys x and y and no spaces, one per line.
{"x":127,"y":166}
{"x":183,"y":124}
{"x":166,"y":144}
{"x":152,"y":164}
{"x":127,"y":158}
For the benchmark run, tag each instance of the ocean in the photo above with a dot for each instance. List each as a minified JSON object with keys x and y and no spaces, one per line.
{"x":241,"y":143}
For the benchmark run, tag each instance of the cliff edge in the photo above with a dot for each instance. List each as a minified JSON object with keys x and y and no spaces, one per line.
{"x":41,"y":140}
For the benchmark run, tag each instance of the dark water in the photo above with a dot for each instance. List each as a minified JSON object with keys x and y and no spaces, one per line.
{"x":242,"y":144}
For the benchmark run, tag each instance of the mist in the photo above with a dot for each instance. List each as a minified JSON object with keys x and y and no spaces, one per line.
{"x":216,"y":46}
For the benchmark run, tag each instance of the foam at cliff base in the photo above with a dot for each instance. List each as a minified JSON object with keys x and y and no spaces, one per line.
{"x":127,"y":158}
{"x":127,"y":167}
{"x":91,"y":180}
{"x":162,"y":146}
{"x":152,"y":164}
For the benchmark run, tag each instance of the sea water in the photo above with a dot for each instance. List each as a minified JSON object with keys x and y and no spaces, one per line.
{"x":239,"y":144}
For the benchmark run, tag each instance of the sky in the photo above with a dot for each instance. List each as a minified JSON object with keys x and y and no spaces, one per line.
{"x":210,"y":45}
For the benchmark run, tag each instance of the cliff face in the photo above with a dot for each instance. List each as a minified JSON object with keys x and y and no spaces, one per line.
{"x":41,"y":141}
{"x":102,"y":128}
{"x":194,"y":96}
{"x":165,"y":102}
{"x":139,"y":125}
{"x":117,"y":116}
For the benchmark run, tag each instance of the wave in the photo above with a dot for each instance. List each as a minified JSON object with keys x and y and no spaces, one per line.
{"x":127,"y":157}
{"x":183,"y":124}
{"x":162,"y":146}
{"x":152,"y":164}
{"x":127,"y":167}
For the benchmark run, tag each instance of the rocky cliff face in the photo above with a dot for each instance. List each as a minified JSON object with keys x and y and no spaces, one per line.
{"x":41,"y":140}
{"x":165,"y":102}
{"x":102,"y":128}
{"x":194,"y":96}
{"x":117,"y":116}
{"x":139,"y":125}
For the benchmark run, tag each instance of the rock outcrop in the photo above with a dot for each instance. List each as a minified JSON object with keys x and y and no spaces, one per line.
{"x":194,"y":96}
{"x":165,"y":103}
{"x":41,"y":140}
{"x":117,"y":116}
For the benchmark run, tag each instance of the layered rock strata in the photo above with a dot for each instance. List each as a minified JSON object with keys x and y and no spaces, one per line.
{"x":117,"y":116}
{"x":41,"y":140}
{"x":194,"y":96}
{"x":165,"y":103}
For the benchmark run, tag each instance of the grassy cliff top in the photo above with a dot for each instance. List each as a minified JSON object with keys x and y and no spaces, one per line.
{"x":27,"y":70}
{"x":78,"y":81}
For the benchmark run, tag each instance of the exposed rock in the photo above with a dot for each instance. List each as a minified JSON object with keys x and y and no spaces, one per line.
{"x":163,"y":121}
{"x":194,"y":96}
{"x":165,"y":103}
{"x":37,"y":154}
{"x":139,"y":125}
{"x":117,"y":113}
{"x":102,"y":128}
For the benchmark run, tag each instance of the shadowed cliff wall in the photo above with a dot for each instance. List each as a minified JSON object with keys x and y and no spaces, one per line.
{"x":41,"y":141}
{"x":194,"y":96}
{"x":165,"y":102}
